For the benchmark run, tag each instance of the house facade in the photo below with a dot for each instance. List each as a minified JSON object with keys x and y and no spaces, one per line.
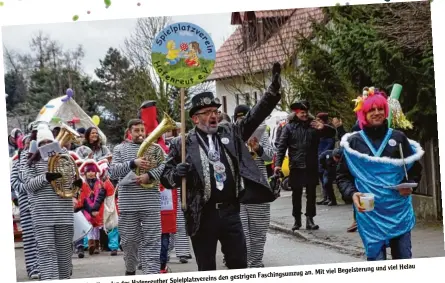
{"x":244,"y":61}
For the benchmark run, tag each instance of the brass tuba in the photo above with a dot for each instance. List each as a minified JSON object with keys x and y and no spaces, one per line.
{"x":149,"y":145}
{"x":64,"y":164}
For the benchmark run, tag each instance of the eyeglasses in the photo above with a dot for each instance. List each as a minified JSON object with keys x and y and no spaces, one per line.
{"x":208,"y":112}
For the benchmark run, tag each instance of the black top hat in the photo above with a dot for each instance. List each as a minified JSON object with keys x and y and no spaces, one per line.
{"x":300,"y":105}
{"x":203,"y":100}
{"x":241,"y":110}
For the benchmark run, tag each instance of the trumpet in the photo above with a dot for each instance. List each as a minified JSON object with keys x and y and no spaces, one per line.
{"x":64,"y":164}
{"x":149,"y":145}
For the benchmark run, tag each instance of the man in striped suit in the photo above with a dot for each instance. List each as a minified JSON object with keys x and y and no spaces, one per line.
{"x":255,"y":217}
{"x":29,"y":240}
{"x":140,"y":208}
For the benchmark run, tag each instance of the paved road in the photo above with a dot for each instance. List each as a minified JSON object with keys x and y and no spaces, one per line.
{"x":281,"y":250}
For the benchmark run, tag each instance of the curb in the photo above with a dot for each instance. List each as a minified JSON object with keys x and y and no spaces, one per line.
{"x":356,"y":252}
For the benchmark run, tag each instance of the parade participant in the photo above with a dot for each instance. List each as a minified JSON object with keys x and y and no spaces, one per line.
{"x":92,"y":141}
{"x":328,"y":161}
{"x":113,"y":235}
{"x":325,"y":144}
{"x":168,"y":222}
{"x":28,"y":236}
{"x":301,"y":136}
{"x":14,"y":140}
{"x":52,"y":216}
{"x":178,"y":240}
{"x":255,"y":217}
{"x":220,"y":173}
{"x":91,"y":199}
{"x":139,"y":208}
{"x":375,"y":159}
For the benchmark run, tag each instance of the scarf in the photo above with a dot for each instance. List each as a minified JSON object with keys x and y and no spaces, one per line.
{"x":393,"y":214}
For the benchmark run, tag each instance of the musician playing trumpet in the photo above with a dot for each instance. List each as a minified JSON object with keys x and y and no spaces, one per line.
{"x":139,"y":208}
{"x":52,"y":215}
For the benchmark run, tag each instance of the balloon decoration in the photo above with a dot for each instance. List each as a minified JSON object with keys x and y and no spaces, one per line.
{"x":69,"y":94}
{"x":96,"y":120}
{"x":396,"y":117}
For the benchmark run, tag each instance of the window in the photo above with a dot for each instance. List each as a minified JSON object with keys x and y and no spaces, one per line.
{"x":237,"y":99}
{"x":255,"y":97}
{"x":247,"y":98}
{"x":224,"y":101}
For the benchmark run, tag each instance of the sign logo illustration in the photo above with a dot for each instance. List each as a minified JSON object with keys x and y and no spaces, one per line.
{"x":183,"y":54}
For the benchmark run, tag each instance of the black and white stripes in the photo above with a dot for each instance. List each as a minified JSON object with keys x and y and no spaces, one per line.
{"x":140,"y":211}
{"x":29,"y":241}
{"x":53,"y":223}
{"x":133,"y":197}
{"x":256,"y":217}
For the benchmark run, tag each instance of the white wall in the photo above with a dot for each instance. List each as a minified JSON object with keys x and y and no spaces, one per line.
{"x":228,"y":88}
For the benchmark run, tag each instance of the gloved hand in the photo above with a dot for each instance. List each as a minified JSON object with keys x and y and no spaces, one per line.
{"x":275,"y":86}
{"x":78,"y":183}
{"x":52,"y":176}
{"x":182,"y":169}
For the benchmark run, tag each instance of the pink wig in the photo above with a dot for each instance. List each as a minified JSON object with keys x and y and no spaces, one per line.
{"x":379,"y":100}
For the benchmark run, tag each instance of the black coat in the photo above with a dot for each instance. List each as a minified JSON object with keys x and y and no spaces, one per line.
{"x":302,"y":141}
{"x":345,"y":181}
{"x":256,"y":188}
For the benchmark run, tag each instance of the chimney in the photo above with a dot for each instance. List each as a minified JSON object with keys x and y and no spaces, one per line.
{"x":260,"y":31}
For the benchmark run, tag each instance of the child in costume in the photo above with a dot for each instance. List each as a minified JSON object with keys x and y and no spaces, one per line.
{"x":374,"y":161}
{"x":91,"y":200}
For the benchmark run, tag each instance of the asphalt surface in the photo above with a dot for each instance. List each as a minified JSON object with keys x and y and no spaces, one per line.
{"x":280,"y":250}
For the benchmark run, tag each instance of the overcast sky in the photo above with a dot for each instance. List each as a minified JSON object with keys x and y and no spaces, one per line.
{"x":97,"y":36}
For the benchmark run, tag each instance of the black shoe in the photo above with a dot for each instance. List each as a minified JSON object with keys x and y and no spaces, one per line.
{"x":128,"y":273}
{"x":310,"y":225}
{"x":321,"y":202}
{"x":297,"y":224}
{"x":80,"y":252}
{"x":182,"y":259}
{"x":140,"y":267}
{"x":189,"y":257}
{"x":113,"y":253}
{"x":332,"y":203}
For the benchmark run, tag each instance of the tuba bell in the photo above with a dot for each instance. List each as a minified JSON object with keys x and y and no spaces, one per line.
{"x":64,"y":164}
{"x":149,"y":145}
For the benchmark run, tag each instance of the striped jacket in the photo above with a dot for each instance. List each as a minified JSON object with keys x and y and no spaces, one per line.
{"x":47,"y":208}
{"x":133,"y":197}
{"x":17,"y":180}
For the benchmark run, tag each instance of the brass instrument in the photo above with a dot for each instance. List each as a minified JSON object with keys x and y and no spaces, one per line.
{"x":64,"y":164}
{"x":149,"y":145}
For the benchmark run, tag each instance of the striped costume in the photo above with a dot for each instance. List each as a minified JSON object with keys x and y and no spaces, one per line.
{"x":53,"y":222}
{"x":256,"y":217}
{"x":180,"y":241}
{"x":29,"y":241}
{"x":140,"y":212}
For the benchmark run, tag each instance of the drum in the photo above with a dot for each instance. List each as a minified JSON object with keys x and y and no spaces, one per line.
{"x":81,"y":226}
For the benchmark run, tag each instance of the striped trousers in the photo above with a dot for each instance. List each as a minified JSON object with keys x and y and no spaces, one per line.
{"x":55,"y":251}
{"x":141,"y":240}
{"x":29,"y":240}
{"x":180,"y":241}
{"x":255,"y":219}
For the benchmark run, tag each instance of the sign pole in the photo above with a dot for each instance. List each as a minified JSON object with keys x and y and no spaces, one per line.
{"x":184,"y":179}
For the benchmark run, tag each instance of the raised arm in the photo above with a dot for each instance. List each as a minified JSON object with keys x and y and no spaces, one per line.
{"x":263,"y":108}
